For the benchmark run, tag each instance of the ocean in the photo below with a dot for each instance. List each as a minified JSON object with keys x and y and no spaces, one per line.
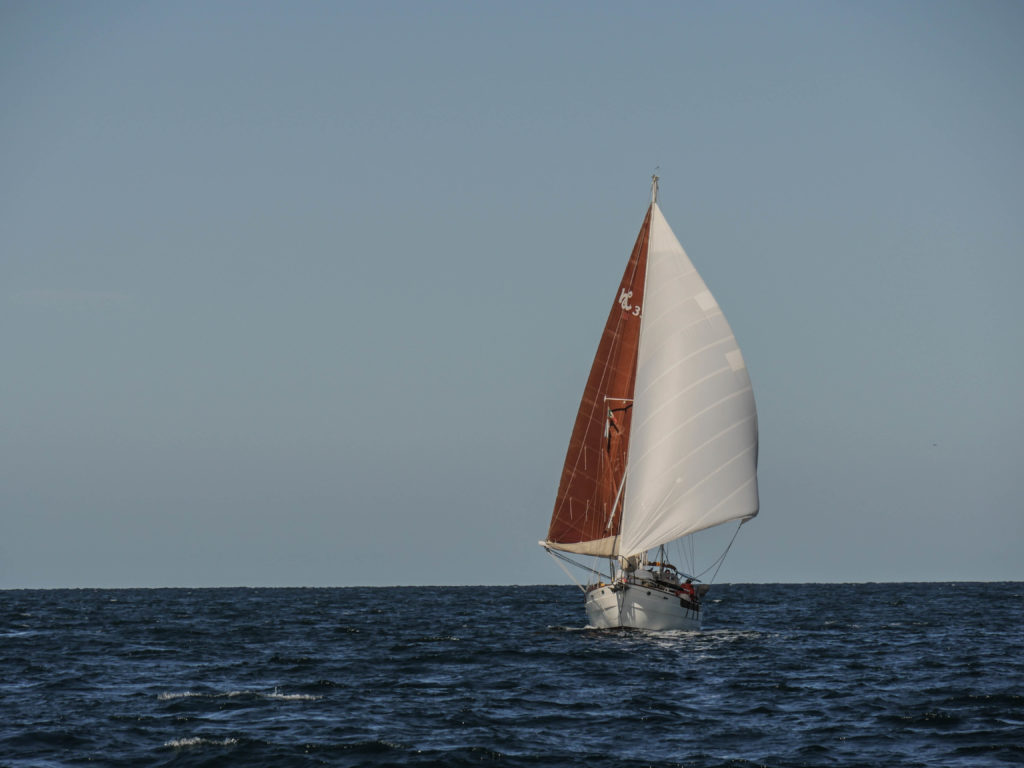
{"x":782,"y":675}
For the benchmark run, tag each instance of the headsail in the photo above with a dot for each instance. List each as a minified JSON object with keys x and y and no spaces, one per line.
{"x":588,"y":507}
{"x":693,"y":446}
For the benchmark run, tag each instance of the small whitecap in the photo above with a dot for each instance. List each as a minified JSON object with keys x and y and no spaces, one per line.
{"x":199,"y":741}
{"x":293,"y":696}
{"x":171,"y":695}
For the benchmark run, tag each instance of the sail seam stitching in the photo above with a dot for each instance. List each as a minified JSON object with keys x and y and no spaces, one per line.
{"x":687,"y":422}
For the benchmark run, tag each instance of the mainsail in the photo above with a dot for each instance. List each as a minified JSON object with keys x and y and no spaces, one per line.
{"x":588,"y":507}
{"x":665,"y":440}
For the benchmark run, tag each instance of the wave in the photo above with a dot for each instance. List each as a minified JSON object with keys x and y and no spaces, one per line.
{"x":275,"y":695}
{"x":292,"y":696}
{"x":170,"y":696}
{"x":200,"y":741}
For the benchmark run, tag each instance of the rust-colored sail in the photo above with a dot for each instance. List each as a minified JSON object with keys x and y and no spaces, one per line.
{"x":588,"y":508}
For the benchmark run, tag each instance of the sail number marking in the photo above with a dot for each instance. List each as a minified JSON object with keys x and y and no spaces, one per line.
{"x":624,"y":303}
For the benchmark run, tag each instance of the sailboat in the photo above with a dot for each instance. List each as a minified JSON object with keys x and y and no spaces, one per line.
{"x":664,"y":444}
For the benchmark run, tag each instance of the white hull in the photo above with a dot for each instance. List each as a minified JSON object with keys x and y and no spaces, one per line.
{"x":639,"y":607}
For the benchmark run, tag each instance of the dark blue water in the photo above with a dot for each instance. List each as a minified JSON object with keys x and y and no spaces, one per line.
{"x":782,"y":675}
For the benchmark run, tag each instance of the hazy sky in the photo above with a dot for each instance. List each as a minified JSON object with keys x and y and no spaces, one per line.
{"x":307,"y":293}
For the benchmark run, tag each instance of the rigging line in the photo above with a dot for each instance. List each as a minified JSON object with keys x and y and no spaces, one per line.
{"x":618,"y":497}
{"x":567,"y":573}
{"x":721,"y":558}
{"x":560,"y":556}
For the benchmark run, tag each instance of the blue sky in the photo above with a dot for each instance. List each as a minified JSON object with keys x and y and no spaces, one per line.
{"x":306,"y":294}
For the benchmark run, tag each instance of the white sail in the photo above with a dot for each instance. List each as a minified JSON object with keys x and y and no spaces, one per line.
{"x":693,"y":444}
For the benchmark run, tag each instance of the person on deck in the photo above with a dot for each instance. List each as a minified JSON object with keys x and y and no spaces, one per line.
{"x":688,"y":590}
